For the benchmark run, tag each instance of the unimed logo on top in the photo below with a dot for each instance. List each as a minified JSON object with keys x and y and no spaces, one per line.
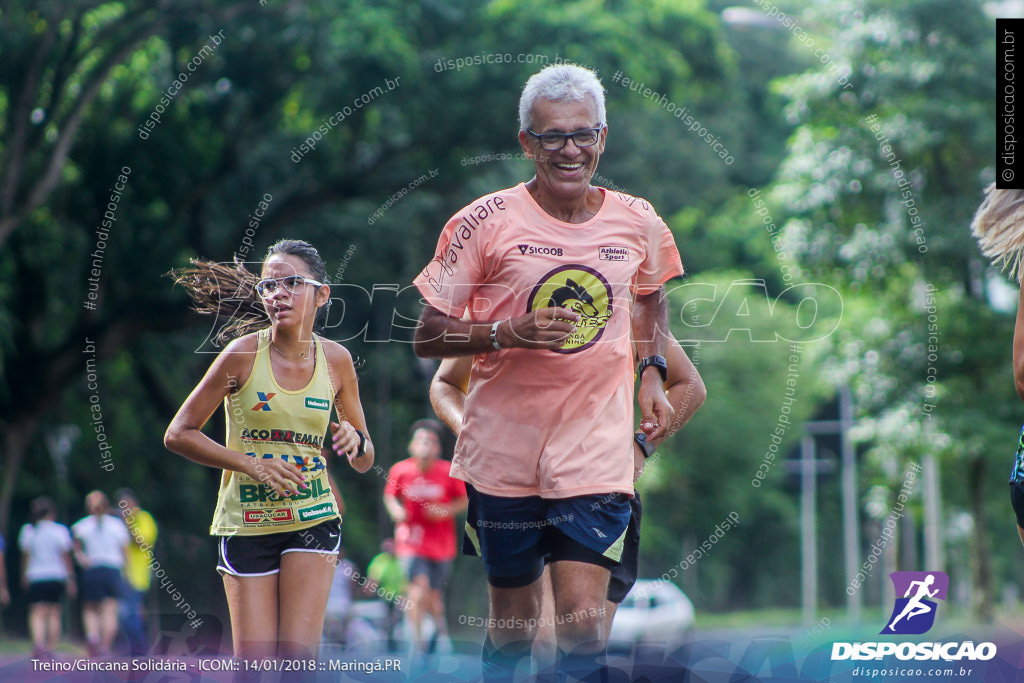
{"x":914,"y":613}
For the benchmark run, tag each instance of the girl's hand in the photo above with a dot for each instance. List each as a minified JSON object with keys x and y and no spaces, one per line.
{"x":283,"y":477}
{"x":346,"y":440}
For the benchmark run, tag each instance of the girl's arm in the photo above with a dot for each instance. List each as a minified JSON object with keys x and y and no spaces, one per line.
{"x":350,"y":410}
{"x":184,"y":436}
{"x":80,"y":556}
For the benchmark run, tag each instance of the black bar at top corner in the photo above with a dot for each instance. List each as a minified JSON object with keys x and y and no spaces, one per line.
{"x":1009,"y":114}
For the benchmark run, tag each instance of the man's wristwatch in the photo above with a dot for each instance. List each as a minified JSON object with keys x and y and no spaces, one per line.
{"x":646,"y":446}
{"x":658,"y":362}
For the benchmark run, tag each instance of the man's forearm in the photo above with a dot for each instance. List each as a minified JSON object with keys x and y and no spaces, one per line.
{"x":442,"y":336}
{"x":650,"y":323}
{"x":448,"y":401}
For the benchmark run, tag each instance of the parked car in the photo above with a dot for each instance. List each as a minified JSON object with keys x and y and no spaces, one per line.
{"x":654,"y":612}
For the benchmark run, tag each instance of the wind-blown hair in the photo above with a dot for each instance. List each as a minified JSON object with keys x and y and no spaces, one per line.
{"x":560,"y":83}
{"x":998,"y":226}
{"x":228,"y":291}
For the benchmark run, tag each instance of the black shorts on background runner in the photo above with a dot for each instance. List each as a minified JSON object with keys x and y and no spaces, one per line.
{"x":624,"y":574}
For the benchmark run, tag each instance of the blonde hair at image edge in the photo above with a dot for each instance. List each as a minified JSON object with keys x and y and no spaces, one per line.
{"x":998,"y":226}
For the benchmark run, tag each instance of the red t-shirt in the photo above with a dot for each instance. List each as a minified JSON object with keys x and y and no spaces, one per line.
{"x":422,"y":535}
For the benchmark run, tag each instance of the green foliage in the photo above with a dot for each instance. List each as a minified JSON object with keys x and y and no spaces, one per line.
{"x":79,"y":80}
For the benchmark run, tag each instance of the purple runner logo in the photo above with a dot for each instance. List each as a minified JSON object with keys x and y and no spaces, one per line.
{"x":914,"y":613}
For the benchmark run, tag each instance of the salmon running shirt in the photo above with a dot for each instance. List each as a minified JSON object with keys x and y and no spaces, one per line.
{"x":554,"y":423}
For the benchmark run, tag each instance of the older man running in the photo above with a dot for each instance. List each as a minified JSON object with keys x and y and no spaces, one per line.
{"x":551,"y":275}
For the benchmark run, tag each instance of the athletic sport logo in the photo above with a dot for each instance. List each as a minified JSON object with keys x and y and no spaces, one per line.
{"x":264,"y":403}
{"x":613,"y":253}
{"x":582,"y":290}
{"x":914,"y":613}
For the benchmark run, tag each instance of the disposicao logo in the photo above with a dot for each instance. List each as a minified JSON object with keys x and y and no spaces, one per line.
{"x":913,"y":614}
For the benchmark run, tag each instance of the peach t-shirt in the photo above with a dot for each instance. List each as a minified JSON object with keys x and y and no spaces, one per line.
{"x":540,"y":422}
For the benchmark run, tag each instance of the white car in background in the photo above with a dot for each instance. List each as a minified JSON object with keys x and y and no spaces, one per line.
{"x":654,"y":612}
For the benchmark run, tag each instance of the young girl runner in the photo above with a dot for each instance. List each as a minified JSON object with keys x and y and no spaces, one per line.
{"x":277,"y":517}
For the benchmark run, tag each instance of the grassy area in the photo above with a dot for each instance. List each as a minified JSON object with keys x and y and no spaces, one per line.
{"x":952,"y":619}
{"x":10,"y":646}
{"x":780,"y":617}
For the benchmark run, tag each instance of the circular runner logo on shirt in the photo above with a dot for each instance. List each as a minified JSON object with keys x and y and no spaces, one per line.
{"x":580,"y":289}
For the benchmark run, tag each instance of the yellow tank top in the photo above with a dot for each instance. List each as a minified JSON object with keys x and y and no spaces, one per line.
{"x":266,"y":421}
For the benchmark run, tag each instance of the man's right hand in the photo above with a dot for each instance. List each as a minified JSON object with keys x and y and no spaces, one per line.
{"x":545,"y":328}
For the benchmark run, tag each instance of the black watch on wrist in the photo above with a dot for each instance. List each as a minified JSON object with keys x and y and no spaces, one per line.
{"x":658,"y":362}
{"x":361,"y":451}
{"x":646,"y":446}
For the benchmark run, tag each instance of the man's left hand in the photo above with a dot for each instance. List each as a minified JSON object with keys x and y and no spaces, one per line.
{"x":655,"y":410}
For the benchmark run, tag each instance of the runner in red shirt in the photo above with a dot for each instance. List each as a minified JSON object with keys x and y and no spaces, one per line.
{"x":423,"y":501}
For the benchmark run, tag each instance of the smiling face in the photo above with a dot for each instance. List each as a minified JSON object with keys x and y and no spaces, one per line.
{"x":288,"y":308}
{"x":564,"y":175}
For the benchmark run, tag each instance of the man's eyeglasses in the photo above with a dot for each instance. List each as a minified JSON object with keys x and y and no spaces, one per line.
{"x":552,"y":142}
{"x":266,"y":287}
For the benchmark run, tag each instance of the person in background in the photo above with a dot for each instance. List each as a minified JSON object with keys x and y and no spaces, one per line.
{"x":5,"y":594}
{"x":339,"y":601}
{"x":386,"y":578}
{"x":137,"y":573}
{"x":101,"y":542}
{"x":46,"y":572}
{"x":423,"y":501}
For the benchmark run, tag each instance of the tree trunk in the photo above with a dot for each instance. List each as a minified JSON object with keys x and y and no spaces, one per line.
{"x":981,"y":556}
{"x":16,"y":438}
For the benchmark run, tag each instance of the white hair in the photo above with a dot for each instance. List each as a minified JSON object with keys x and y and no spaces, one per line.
{"x":560,"y":83}
{"x":998,"y":226}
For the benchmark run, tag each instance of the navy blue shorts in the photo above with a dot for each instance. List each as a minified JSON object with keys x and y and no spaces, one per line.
{"x":625,"y":572}
{"x":515,"y":536}
{"x":1017,"y":502}
{"x":100,"y":583}
{"x":436,"y":571}
{"x":45,"y":591}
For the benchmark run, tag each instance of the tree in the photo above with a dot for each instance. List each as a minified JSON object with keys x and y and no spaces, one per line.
{"x":878,"y":189}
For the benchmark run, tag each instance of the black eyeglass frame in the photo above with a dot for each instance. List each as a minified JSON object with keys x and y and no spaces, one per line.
{"x":565,"y":137}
